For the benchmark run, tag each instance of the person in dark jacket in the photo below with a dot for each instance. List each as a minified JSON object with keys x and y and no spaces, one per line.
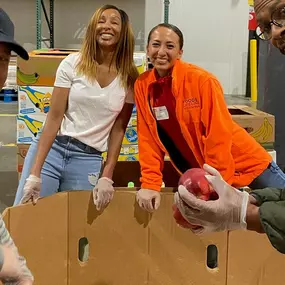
{"x":13,"y":267}
{"x":260,"y":210}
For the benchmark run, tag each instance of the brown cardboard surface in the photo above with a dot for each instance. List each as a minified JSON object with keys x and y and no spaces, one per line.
{"x":260,"y":125}
{"x":127,"y":246}
{"x":41,"y":235}
{"x":22,"y":150}
{"x":252,"y":260}
{"x":40,"y":69}
{"x":178,"y":256}
{"x":118,"y":243}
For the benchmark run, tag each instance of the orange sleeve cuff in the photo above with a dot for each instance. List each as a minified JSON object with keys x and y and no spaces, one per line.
{"x":151,"y":187}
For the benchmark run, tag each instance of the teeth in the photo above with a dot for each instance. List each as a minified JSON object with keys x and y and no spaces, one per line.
{"x":106,"y":36}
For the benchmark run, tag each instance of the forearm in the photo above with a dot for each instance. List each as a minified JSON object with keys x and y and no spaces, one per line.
{"x":253,"y":219}
{"x":5,"y":239}
{"x":114,"y":147}
{"x":46,"y":140}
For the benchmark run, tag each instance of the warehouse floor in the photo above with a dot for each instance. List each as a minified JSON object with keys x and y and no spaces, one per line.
{"x":8,"y":151}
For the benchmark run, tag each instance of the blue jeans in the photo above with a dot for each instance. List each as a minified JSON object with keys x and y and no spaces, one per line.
{"x":273,"y":177}
{"x":70,"y":165}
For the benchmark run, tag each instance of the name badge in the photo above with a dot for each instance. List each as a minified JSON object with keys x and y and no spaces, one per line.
{"x":161,"y":113}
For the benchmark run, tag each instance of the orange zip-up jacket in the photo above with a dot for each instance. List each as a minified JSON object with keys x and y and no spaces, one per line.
{"x":206,"y":125}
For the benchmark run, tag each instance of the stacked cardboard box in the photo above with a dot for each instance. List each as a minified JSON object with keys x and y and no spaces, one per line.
{"x":35,"y":79}
{"x":260,"y":125}
{"x":129,"y":150}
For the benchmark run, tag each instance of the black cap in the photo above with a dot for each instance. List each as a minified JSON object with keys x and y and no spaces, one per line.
{"x":7,"y":35}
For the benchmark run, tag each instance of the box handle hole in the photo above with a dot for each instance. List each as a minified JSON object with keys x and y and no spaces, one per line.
{"x":212,"y":256}
{"x":83,"y":249}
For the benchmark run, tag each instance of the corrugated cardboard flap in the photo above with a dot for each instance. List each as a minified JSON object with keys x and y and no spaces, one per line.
{"x":123,"y":245}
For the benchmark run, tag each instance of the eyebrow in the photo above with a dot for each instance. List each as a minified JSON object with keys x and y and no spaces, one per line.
{"x":168,"y":42}
{"x":114,"y":17}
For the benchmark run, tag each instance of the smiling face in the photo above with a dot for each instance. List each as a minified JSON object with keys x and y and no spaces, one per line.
{"x":164,"y":49}
{"x":108,"y":28}
{"x":4,"y":63}
{"x":268,"y":11}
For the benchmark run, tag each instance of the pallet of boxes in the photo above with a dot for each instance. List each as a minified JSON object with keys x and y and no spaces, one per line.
{"x":35,"y":79}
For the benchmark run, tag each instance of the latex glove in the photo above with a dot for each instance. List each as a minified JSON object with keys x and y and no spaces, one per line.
{"x":148,"y":200}
{"x":19,"y":282}
{"x":25,"y":282}
{"x":32,"y":190}
{"x":103,"y":193}
{"x":226,"y":213}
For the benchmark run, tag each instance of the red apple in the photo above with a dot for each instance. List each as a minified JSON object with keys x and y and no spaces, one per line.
{"x":196,"y":183}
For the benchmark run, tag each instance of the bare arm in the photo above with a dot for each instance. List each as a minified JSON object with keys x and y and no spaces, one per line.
{"x":52,"y":124}
{"x":115,"y":140}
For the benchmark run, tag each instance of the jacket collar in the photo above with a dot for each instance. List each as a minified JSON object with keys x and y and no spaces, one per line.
{"x":177,"y":75}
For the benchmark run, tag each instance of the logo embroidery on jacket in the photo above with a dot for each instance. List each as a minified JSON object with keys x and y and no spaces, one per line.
{"x":191,"y":103}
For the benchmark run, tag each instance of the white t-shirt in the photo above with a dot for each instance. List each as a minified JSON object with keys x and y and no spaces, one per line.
{"x":91,"y":110}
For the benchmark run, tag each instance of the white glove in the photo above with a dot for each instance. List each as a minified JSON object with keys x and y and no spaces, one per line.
{"x":148,"y":200}
{"x":12,"y":269}
{"x":31,"y":190}
{"x":25,"y":282}
{"x":226,"y":213}
{"x":103,"y":193}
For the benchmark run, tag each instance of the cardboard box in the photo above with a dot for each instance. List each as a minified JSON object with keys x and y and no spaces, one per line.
{"x":253,"y":260}
{"x":128,"y":157}
{"x":28,"y":126}
{"x":40,"y":69}
{"x":123,"y":245}
{"x":34,"y":99}
{"x":140,"y":61}
{"x":133,"y":121}
{"x":127,"y":153}
{"x":22,"y":150}
{"x":131,"y":136}
{"x":260,"y":125}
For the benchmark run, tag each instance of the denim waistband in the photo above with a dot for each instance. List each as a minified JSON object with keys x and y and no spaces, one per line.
{"x":84,"y":147}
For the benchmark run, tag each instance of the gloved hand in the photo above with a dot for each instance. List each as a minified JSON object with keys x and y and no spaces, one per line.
{"x":148,"y":200}
{"x":103,"y":193}
{"x":25,"y":282}
{"x":31,"y":190}
{"x":226,"y":213}
{"x":11,"y":267}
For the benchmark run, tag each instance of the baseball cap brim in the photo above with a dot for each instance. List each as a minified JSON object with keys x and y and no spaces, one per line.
{"x":18,"y":49}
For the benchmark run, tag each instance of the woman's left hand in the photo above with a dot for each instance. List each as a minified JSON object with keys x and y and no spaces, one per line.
{"x":103,"y":193}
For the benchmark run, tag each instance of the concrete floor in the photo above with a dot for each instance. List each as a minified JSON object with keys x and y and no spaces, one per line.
{"x":8,"y":154}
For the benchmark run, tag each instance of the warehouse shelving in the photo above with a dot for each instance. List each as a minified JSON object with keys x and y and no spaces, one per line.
{"x":40,"y":6}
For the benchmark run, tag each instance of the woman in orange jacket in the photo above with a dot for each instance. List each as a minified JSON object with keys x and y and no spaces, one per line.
{"x":182,"y":113}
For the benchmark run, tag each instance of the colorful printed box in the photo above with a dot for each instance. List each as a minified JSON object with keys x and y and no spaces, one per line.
{"x":40,"y":69}
{"x":28,"y":127}
{"x":140,"y":59}
{"x":34,"y":99}
{"x":133,"y":121}
{"x":131,"y":136}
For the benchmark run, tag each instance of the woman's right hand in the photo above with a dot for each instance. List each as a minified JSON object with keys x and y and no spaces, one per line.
{"x":31,"y":190}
